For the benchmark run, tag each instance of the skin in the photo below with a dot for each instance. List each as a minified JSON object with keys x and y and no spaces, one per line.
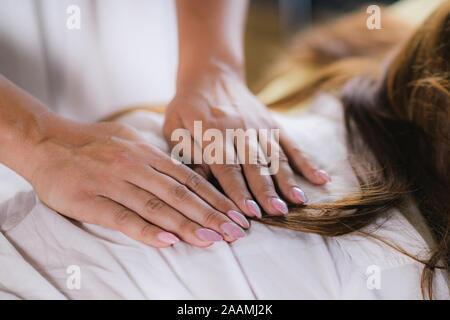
{"x":211,"y":88}
{"x":106,"y":174}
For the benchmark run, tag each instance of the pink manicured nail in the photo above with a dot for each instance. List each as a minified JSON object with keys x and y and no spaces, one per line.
{"x":167,"y":237}
{"x":254,"y":208}
{"x":238,"y":218}
{"x":232,"y":229}
{"x":208,"y":235}
{"x":323,"y":175}
{"x":299,"y":195}
{"x":279,"y":205}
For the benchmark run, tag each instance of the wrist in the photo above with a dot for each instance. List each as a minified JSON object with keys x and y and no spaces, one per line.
{"x":209,"y":67}
{"x":24,"y":124}
{"x":28,"y":148}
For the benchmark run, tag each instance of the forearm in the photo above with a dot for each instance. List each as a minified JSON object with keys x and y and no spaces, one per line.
{"x":210,"y":32}
{"x":24,"y":123}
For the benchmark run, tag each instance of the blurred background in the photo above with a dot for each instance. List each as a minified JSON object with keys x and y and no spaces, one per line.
{"x":272,"y":23}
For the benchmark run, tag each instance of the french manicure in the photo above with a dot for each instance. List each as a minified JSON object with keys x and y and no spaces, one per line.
{"x":168,"y":237}
{"x":323,"y":175}
{"x":208,"y":235}
{"x":253,"y":208}
{"x":279,"y":205}
{"x":238,"y":218}
{"x":232,"y":229}
{"x":299,"y":195}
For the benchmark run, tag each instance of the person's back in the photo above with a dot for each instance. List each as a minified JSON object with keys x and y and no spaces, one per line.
{"x":88,"y":59}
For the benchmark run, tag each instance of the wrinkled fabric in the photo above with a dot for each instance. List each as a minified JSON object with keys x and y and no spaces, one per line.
{"x":124,"y":54}
{"x":38,"y":245}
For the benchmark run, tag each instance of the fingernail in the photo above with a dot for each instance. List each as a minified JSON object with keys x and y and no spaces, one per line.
{"x":208,"y":235}
{"x":168,"y":237}
{"x":280,"y":205}
{"x":323,"y":175}
{"x":254,"y":208}
{"x":299,"y":195}
{"x":238,"y":218}
{"x":233,"y":230}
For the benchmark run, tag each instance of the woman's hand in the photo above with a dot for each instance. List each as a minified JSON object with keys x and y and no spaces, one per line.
{"x":106,"y":174}
{"x":218,"y":97}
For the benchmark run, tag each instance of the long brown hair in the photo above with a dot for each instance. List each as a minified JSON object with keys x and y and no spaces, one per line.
{"x":400,"y":111}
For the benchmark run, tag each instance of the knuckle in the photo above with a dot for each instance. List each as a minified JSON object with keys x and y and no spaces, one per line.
{"x":180,"y":192}
{"x":153,"y":205}
{"x":203,"y":171}
{"x":210,"y":217}
{"x":193,"y":180}
{"x":258,"y":166}
{"x":282,"y":157}
{"x":146,"y":232}
{"x":224,"y":204}
{"x":236,"y":191}
{"x":185,"y":226}
{"x":266,"y":189}
{"x":121,"y":217}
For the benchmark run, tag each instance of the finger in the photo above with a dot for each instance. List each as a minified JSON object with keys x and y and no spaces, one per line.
{"x":258,"y":178}
{"x":114,"y":216}
{"x":301,"y":163}
{"x":193,"y":159}
{"x":195,"y":182}
{"x":182,"y":199}
{"x":198,"y":185}
{"x":156,"y":211}
{"x":234,"y":185}
{"x":285,"y":180}
{"x":203,"y":170}
{"x":231,"y":179}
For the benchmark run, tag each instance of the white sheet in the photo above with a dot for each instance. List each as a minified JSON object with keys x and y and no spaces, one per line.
{"x":37,"y":246}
